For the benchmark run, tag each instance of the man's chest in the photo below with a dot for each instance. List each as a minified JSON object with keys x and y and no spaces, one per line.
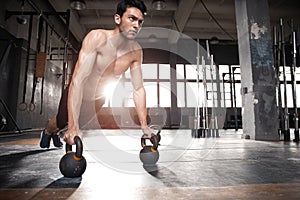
{"x":114,"y":63}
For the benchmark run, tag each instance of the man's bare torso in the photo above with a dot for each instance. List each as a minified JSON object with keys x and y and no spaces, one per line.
{"x":111,"y":62}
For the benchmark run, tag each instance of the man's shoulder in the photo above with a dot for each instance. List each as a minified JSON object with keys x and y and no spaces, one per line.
{"x":99,"y":32}
{"x":96,"y":36}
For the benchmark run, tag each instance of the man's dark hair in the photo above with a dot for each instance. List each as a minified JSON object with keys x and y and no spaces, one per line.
{"x":124,"y":4}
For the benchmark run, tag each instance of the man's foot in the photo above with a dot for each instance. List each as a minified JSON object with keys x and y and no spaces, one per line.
{"x":45,"y":140}
{"x":56,"y":141}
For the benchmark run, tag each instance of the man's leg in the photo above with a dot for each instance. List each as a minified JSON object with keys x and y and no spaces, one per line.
{"x":51,"y":127}
{"x":98,"y":105}
{"x":50,"y":132}
{"x":56,"y":123}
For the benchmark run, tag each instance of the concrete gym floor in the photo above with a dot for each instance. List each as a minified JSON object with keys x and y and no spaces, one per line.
{"x":227,"y":167}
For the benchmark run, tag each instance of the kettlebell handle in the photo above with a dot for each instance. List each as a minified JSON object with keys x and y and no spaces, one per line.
{"x":153,"y":140}
{"x":79,"y":147}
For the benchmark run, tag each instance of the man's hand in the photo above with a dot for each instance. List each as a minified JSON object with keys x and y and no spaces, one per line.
{"x":148,"y":132}
{"x":70,"y":134}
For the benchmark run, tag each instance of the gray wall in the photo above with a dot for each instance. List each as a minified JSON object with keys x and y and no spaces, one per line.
{"x":12,"y":73}
{"x":45,"y":105}
{"x":10,"y":54}
{"x":13,"y":38}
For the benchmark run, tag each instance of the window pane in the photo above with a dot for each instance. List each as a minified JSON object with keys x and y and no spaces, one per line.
{"x":298,"y":96}
{"x":210,"y":94}
{"x":238,"y":95}
{"x":128,"y":99}
{"x":191,"y":93}
{"x":191,"y":72}
{"x":151,"y":94}
{"x":297,"y":75}
{"x":180,"y":71}
{"x":165,"y":94}
{"x":149,"y":71}
{"x":164,"y":71}
{"x":227,"y":95}
{"x":180,"y":94}
{"x":237,"y":77}
{"x":289,"y":95}
{"x":223,"y":69}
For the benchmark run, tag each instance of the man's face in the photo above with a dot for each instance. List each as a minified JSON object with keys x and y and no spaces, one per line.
{"x":130,"y":23}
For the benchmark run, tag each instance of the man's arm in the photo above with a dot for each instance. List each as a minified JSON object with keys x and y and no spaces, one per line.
{"x":83,"y":69}
{"x":139,"y":95}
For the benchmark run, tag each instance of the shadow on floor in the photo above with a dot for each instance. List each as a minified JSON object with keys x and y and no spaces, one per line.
{"x":63,"y":188}
{"x":165,"y":175}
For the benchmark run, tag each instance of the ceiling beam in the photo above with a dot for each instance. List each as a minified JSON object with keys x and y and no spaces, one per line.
{"x":208,"y":34}
{"x":180,"y":18}
{"x":77,"y":30}
{"x":214,"y":7}
{"x":112,"y":5}
{"x":161,"y":22}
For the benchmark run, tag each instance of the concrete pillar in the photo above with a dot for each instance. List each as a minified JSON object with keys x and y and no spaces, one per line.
{"x":175,"y":115}
{"x":260,"y":118}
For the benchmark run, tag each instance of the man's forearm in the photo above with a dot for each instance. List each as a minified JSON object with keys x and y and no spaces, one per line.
{"x":74,"y":105}
{"x":139,"y":98}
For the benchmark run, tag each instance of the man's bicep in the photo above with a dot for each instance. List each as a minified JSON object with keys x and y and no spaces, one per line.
{"x":84,"y":66}
{"x":88,"y":53}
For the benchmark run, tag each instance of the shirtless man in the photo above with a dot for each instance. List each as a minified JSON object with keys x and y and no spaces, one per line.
{"x":105,"y":55}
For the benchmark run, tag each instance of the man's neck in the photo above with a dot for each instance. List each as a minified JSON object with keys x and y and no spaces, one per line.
{"x":118,"y":39}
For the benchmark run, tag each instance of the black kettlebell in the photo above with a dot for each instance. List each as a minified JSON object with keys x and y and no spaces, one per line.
{"x":73,"y":164}
{"x":158,"y":129}
{"x":149,"y":155}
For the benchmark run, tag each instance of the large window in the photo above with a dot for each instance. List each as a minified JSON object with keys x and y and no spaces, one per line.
{"x":219,"y":86}
{"x":213,"y":86}
{"x":287,"y":89}
{"x":157,"y":84}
